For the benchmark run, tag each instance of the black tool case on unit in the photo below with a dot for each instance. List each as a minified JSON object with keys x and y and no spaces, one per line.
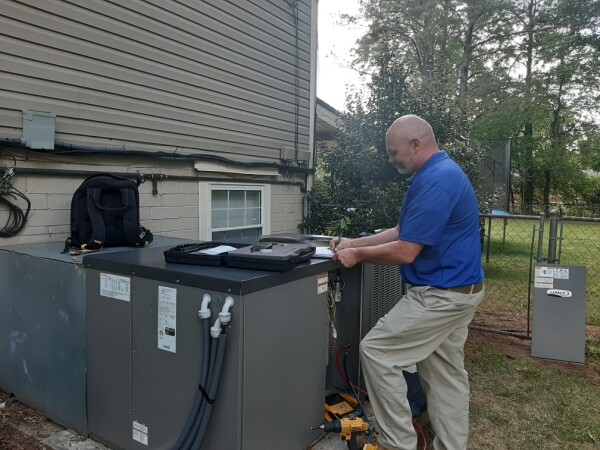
{"x":277,"y":257}
{"x":195,"y":253}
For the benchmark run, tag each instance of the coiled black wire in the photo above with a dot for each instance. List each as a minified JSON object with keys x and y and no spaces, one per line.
{"x":16,"y":217}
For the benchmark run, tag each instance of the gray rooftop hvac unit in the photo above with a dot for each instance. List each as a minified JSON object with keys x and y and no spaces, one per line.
{"x":145,"y":348}
{"x":42,"y":329}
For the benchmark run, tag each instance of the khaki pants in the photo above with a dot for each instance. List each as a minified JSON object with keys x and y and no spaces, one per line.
{"x":428,"y":327}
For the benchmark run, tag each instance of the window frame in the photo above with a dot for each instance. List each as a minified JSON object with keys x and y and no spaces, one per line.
{"x":205,"y":206}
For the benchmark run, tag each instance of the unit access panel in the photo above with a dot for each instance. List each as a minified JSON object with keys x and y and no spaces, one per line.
{"x":558,"y":330}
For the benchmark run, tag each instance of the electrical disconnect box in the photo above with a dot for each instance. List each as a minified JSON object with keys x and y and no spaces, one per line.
{"x":39,"y":129}
{"x":291,"y":154}
{"x":558,"y":329}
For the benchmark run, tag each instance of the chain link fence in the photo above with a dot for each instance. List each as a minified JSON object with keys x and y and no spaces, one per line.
{"x":513,"y":244}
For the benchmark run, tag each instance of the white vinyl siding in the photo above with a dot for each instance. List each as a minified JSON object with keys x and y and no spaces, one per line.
{"x":213,"y":77}
{"x":215,"y":80}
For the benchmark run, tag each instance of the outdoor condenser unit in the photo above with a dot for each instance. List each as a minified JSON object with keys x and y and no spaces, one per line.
{"x":382,"y":288}
{"x":145,"y":348}
{"x":369,"y":292}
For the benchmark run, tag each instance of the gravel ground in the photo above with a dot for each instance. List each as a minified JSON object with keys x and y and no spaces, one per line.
{"x":22,"y":428}
{"x":14,"y":415}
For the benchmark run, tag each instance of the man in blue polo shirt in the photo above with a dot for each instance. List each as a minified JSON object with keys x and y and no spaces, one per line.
{"x":437,"y":246}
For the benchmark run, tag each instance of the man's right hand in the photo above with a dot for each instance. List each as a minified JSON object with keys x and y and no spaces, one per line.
{"x":339,"y":243}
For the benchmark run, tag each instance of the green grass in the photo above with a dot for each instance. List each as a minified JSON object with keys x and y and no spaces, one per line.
{"x":520,"y":403}
{"x":509,"y":259}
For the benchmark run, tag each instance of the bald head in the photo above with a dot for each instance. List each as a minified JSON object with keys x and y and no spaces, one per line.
{"x":410,"y":142}
{"x":412,"y":127}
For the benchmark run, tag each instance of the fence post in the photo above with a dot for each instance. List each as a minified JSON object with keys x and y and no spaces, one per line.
{"x":540,"y":252}
{"x":489,"y":236}
{"x":552,"y":238}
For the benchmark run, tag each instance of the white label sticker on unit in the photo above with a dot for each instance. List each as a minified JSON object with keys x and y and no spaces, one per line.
{"x":167,"y":318}
{"x":544,"y":277}
{"x":545,"y":272}
{"x":322,"y":282}
{"x":561,"y":273}
{"x":114,"y":286}
{"x":559,"y":293}
{"x":140,"y":432}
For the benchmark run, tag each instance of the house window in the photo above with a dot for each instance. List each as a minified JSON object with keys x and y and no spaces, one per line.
{"x":234,"y":211}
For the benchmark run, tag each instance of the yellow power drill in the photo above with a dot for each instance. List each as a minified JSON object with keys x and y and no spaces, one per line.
{"x":347,"y":428}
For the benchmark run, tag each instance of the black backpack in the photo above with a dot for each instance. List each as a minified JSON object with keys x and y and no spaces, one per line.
{"x":105,"y":213}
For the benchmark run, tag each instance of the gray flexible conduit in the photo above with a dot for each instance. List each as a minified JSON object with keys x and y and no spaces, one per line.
{"x":203,"y":378}
{"x":214,"y":386}
{"x":189,"y":439}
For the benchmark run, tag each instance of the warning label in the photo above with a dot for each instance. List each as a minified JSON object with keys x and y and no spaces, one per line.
{"x":114,"y":286}
{"x":322,"y":282}
{"x":140,"y":432}
{"x":167,"y":319}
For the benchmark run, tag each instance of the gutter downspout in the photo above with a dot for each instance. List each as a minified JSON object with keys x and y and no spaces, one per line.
{"x":314,"y":48}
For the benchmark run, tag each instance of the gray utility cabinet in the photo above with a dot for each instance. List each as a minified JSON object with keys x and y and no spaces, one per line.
{"x":558,"y":330}
{"x":42,"y":331}
{"x":273,"y":381}
{"x":42,"y":328}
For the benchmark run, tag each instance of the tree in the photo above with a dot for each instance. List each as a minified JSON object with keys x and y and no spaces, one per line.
{"x":358,"y":191}
{"x":554,"y":84}
{"x":476,"y":70}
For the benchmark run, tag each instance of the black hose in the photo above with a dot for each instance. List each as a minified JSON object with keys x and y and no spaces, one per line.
{"x":214,"y":386}
{"x":16,"y":217}
{"x":352,"y":444}
{"x":203,"y":377}
{"x":362,"y":410}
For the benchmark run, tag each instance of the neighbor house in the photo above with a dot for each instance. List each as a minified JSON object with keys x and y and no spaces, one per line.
{"x":211,"y":103}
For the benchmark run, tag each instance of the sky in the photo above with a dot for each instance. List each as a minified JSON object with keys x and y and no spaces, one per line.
{"x":335,"y":44}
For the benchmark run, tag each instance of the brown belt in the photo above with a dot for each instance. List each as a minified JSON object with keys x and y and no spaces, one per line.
{"x":469,"y":289}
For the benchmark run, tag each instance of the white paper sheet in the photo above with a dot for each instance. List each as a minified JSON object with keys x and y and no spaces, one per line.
{"x":323,"y":252}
